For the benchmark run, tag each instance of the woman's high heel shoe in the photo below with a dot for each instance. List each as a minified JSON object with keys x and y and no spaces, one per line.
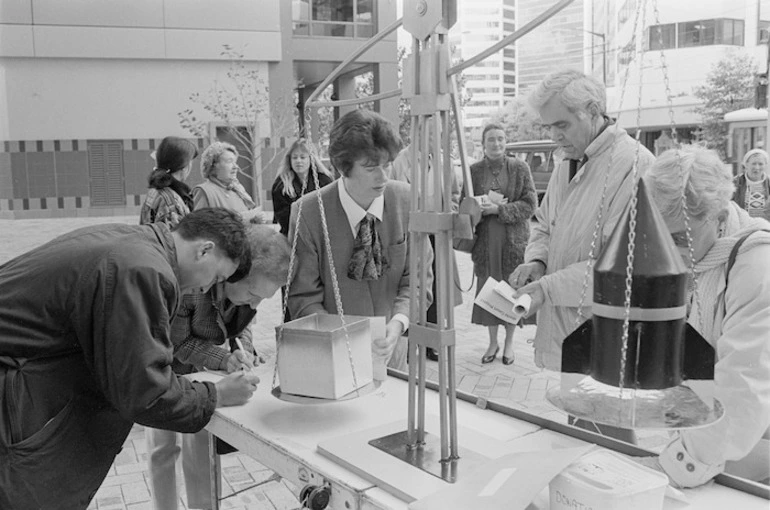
{"x":491,"y":357}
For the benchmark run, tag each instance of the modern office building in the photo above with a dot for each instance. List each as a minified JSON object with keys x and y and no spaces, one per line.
{"x":88,"y":87}
{"x":489,"y":83}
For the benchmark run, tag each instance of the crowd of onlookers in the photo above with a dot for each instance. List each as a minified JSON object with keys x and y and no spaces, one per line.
{"x":97,"y":326}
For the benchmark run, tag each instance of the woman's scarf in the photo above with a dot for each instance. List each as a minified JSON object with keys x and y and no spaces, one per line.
{"x":236,"y":186}
{"x":710,"y":270}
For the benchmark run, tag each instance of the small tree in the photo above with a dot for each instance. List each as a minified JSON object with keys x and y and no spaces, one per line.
{"x":241,"y":104}
{"x":521,"y":123}
{"x":729,"y":86}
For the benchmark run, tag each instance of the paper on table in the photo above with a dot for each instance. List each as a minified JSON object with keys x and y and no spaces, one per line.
{"x":510,"y":482}
{"x":497,"y":298}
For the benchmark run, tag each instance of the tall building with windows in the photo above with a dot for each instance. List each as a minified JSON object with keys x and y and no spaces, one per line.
{"x":489,"y":83}
{"x":87,"y":89}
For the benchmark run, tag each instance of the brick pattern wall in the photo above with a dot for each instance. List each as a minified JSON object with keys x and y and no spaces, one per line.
{"x":50,"y":178}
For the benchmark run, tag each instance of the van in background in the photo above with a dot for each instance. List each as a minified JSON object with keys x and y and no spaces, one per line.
{"x":540,"y":156}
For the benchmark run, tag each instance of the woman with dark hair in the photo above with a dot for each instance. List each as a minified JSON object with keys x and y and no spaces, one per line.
{"x":169,"y":199}
{"x":367,"y":218}
{"x":503,"y":231}
{"x":300,"y":166}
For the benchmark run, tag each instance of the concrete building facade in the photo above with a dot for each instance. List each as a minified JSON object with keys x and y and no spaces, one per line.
{"x":88,"y":88}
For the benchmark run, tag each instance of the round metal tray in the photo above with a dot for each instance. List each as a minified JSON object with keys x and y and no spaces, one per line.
{"x":300,"y":399}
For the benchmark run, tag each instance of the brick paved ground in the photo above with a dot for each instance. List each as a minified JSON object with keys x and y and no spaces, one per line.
{"x":248,"y":484}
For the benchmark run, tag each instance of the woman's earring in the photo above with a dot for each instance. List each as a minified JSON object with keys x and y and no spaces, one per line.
{"x":721,"y":231}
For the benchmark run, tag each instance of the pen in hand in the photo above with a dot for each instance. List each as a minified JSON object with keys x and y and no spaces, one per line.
{"x":244,"y":366}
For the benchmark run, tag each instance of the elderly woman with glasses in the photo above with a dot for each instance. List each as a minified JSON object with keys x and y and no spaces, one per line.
{"x":220,"y":186}
{"x":730,"y":308}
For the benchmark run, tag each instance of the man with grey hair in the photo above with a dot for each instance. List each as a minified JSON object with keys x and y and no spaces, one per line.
{"x":597,"y":152}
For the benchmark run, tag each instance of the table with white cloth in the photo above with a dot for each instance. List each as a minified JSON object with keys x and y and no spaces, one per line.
{"x":285,"y":437}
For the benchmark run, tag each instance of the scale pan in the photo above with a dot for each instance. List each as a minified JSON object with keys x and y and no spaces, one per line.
{"x":671,"y":408}
{"x":300,"y":399}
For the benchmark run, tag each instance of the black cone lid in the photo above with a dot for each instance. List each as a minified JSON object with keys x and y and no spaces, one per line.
{"x":654,"y":254}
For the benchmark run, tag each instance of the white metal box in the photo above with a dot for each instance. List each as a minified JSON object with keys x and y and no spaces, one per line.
{"x":604,"y":480}
{"x":313,"y":357}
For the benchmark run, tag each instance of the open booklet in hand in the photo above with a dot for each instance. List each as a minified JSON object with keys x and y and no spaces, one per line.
{"x":497,"y":298}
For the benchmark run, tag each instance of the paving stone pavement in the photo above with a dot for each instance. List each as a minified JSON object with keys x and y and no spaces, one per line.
{"x":247,"y":484}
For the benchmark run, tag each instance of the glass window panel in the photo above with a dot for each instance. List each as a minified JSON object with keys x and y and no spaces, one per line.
{"x":689,"y":34}
{"x":322,"y":10}
{"x":664,"y":33}
{"x":708,"y":32}
{"x":300,"y":10}
{"x":333,"y":10}
{"x":738,"y":32}
{"x":332,"y":29}
{"x":364,"y":11}
{"x":301,"y":29}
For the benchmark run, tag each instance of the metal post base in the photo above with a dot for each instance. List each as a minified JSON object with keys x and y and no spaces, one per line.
{"x":427,"y":456}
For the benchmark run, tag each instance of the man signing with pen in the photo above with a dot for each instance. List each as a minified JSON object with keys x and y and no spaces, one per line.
{"x":206,"y":321}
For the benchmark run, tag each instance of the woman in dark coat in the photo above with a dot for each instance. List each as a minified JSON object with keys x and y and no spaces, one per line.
{"x":503,"y":231}
{"x":299,"y":166}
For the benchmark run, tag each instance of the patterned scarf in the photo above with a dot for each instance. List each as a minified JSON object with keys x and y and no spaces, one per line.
{"x":236,"y":186}
{"x":367,"y":261}
{"x":755,"y":197}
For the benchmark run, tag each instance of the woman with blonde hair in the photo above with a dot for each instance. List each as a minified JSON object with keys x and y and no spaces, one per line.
{"x":752,"y":187}
{"x":220,"y":186}
{"x":299,"y":170}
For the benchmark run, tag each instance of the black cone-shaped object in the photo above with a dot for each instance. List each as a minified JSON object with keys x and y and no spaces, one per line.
{"x":662,"y":350}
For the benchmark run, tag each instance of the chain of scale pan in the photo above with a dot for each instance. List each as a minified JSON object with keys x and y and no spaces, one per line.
{"x":598,"y":227}
{"x":685,"y":208}
{"x":632,"y":223}
{"x":293,"y":255}
{"x":332,"y":269}
{"x":285,"y":304}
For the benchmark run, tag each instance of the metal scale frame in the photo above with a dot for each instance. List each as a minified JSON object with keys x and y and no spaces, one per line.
{"x":430,"y":84}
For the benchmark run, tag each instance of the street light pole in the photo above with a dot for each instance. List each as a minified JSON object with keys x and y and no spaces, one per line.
{"x":604,"y":54}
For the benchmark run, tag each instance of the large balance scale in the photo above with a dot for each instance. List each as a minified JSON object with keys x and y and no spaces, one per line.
{"x":622,"y":367}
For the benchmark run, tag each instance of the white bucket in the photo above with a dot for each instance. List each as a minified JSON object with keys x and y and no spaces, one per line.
{"x":604,"y":480}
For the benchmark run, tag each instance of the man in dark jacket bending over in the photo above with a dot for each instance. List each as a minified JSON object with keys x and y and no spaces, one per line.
{"x":85,"y":350}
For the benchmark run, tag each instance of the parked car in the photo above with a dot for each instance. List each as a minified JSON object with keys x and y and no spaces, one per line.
{"x":540,"y":156}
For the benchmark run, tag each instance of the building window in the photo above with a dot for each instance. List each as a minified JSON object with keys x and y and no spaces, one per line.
{"x":333,"y":18}
{"x":763,"y":34}
{"x":689,"y":34}
{"x":509,"y":27}
{"x":661,"y":37}
{"x":697,"y":33}
{"x":730,"y":31}
{"x":509,"y":52}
